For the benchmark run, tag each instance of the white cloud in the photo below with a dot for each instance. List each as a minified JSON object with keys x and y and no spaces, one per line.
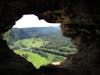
{"x":32,"y":21}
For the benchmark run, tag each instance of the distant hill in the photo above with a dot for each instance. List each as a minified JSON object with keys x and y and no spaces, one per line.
{"x":24,"y":33}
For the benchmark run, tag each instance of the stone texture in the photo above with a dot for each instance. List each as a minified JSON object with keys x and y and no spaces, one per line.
{"x":80,"y":20}
{"x":10,"y":63}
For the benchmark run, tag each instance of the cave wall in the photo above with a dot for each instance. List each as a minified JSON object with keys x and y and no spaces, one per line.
{"x":79,"y":20}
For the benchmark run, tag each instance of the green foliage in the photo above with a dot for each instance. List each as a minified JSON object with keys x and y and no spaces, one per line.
{"x":52,"y":50}
{"x":34,"y":58}
{"x":24,"y":33}
{"x":5,"y":36}
{"x":46,"y":42}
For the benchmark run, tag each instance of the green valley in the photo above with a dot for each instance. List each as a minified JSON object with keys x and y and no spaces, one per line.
{"x":40,"y":45}
{"x":34,"y":58}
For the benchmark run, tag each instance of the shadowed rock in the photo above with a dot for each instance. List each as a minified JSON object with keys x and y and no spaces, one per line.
{"x":80,"y":21}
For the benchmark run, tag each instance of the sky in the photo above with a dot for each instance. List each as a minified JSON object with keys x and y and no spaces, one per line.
{"x":32,"y":21}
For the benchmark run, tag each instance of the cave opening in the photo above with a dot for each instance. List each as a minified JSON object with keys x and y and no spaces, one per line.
{"x":80,"y":20}
{"x":39,"y":42}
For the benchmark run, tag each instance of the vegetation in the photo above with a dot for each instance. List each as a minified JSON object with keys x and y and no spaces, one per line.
{"x":45,"y":44}
{"x":34,"y":58}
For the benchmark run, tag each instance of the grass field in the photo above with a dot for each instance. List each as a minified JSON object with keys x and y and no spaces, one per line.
{"x":35,"y":59}
{"x":31,"y":42}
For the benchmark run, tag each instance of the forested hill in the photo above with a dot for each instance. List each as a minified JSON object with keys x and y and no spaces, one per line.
{"x":23,"y":33}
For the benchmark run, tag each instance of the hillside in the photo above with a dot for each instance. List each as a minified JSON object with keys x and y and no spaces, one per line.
{"x":47,"y":42}
{"x":23,"y":33}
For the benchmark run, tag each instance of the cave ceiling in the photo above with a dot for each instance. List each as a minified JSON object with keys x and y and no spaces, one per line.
{"x":55,"y":11}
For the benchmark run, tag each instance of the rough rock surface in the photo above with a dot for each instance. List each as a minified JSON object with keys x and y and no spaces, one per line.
{"x":12,"y":64}
{"x":80,"y":20}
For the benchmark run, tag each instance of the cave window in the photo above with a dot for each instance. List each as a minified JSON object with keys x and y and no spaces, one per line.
{"x":38,"y":41}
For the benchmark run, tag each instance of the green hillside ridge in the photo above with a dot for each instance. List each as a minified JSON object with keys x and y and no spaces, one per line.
{"x":24,"y":33}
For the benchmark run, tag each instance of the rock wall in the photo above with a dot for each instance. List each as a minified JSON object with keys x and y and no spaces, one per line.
{"x":79,"y":20}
